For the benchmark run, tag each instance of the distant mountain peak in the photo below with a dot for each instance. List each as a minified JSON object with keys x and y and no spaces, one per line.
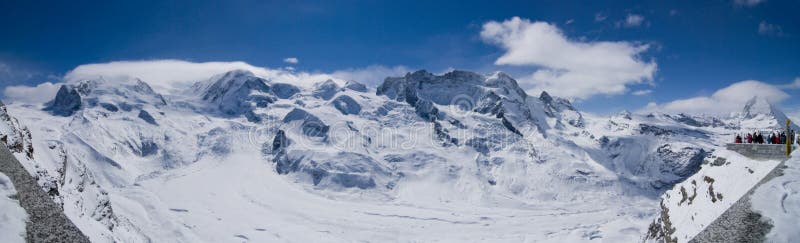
{"x":758,"y":112}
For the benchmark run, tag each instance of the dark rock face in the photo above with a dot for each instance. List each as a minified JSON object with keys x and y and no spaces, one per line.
{"x":355,"y":86}
{"x":683,"y":162}
{"x":283,"y":164}
{"x":346,"y":105}
{"x":284,"y":91}
{"x":109,"y":107}
{"x":670,"y":131}
{"x":66,"y":102}
{"x":144,"y":115}
{"x":148,"y":147}
{"x":311,"y":125}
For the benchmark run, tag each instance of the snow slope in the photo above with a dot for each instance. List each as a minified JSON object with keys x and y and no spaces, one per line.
{"x":779,"y":200}
{"x":696,"y":202}
{"x":424,"y":157}
{"x":12,"y":215}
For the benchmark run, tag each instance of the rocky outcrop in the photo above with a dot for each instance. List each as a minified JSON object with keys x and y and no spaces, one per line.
{"x":346,"y":105}
{"x":284,"y":91}
{"x":145,"y":116}
{"x":311,"y":125}
{"x":66,"y":102}
{"x":47,"y":222}
{"x":355,"y":86}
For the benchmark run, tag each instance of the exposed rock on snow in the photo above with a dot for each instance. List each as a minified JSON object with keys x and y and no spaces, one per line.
{"x":326,"y":90}
{"x":144,"y":115}
{"x":284,"y":91}
{"x":346,"y":105}
{"x":355,"y":86}
{"x":66,"y":102}
{"x":311,"y":125}
{"x":562,"y":108}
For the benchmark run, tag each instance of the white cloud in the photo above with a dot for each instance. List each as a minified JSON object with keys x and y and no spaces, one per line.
{"x":162,"y":75}
{"x":633,"y":20}
{"x":792,"y":85}
{"x":747,"y":3}
{"x":723,"y":101}
{"x":600,"y":17}
{"x":768,"y":29}
{"x":292,"y":60}
{"x":642,"y":92}
{"x":41,"y":93}
{"x":568,"y":68}
{"x":372,"y":75}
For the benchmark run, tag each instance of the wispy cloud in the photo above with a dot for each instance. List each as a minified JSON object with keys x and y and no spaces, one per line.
{"x":768,"y":29}
{"x":792,"y":85}
{"x":630,"y":21}
{"x":372,"y":75}
{"x":566,"y":67}
{"x":13,"y":76}
{"x":167,"y":76}
{"x":642,"y":92}
{"x":747,"y":3}
{"x":723,"y":101}
{"x":292,"y":60}
{"x":163,"y":75}
{"x":600,"y":17}
{"x":38,"y":94}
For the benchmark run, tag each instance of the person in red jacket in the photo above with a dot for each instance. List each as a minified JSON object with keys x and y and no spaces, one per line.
{"x":738,"y":139}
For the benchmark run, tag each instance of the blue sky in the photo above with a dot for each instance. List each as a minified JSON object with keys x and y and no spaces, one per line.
{"x":696,"y":48}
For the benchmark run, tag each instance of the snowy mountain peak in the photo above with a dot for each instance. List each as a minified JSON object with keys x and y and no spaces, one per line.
{"x":235,"y":92}
{"x":757,"y":105}
{"x":759,"y":113}
{"x":558,"y":104}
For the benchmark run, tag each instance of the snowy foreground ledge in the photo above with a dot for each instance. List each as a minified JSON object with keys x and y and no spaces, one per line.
{"x":689,"y":207}
{"x":779,"y":200}
{"x":12,"y":215}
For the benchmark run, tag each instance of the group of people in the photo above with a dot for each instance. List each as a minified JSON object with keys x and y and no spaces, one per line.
{"x":774,"y":138}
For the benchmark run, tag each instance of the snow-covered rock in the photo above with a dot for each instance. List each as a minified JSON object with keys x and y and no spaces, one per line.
{"x":355,"y":86}
{"x":326,"y":90}
{"x":758,"y":113}
{"x":237,"y":92}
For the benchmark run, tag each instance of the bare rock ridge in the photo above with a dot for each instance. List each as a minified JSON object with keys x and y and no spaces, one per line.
{"x":47,"y":222}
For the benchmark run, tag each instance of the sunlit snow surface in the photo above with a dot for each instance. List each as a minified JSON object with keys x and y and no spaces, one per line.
{"x":779,"y":200}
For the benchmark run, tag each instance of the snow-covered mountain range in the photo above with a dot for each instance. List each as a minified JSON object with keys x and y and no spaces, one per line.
{"x":460,"y":157}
